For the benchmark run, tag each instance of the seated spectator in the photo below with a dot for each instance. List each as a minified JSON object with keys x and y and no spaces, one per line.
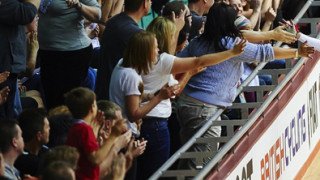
{"x":82,"y":135}
{"x":68,"y":154}
{"x":112,"y":113}
{"x":58,"y":170}
{"x":35,"y":127}
{"x":61,"y":121}
{"x":11,"y":145}
{"x":59,"y":128}
{"x":58,"y":110}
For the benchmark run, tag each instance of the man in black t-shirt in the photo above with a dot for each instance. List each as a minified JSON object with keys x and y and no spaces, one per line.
{"x":118,"y":31}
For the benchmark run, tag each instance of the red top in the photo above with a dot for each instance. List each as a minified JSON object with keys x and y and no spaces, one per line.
{"x":81,"y":136}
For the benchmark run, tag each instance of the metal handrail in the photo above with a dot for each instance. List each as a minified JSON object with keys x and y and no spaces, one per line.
{"x":237,"y":136}
{"x":256,"y":115}
{"x":186,"y":146}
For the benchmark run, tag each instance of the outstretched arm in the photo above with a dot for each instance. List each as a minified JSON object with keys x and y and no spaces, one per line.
{"x":277,"y":34}
{"x":313,"y":42}
{"x":181,"y":65}
{"x":283,"y":53}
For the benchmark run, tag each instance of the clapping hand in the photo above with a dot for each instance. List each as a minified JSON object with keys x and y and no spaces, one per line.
{"x":96,"y":123}
{"x":119,"y":127}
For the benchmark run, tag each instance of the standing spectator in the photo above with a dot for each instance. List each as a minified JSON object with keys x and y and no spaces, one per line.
{"x":65,"y":48}
{"x":11,"y":145}
{"x":114,"y":40}
{"x":139,"y":57}
{"x":35,"y":127}
{"x":13,"y":15}
{"x":198,"y":8}
{"x":216,"y":86}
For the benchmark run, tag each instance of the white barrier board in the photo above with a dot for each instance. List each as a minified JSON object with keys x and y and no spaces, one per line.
{"x":286,"y":145}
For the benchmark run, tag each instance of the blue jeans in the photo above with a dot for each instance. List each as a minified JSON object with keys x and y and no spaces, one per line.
{"x":156,"y":132}
{"x":192,"y":115}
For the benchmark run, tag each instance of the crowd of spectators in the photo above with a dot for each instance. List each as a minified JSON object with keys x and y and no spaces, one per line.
{"x":85,"y":93}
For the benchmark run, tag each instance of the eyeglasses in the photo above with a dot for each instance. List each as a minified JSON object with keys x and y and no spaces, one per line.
{"x":188,"y":16}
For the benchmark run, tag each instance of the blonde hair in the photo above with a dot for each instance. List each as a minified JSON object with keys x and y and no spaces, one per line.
{"x":139,"y":53}
{"x":63,"y":109}
{"x":163,"y":28}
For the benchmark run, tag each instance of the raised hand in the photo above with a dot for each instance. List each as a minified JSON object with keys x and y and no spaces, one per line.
{"x":96,"y":123}
{"x":239,"y":47}
{"x":270,"y":15}
{"x":119,"y":127}
{"x":305,"y":51}
{"x":179,"y":20}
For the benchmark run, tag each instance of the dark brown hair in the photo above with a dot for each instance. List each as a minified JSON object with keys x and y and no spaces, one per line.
{"x":79,"y":101}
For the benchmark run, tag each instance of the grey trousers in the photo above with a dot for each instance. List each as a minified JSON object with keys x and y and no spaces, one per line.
{"x":192,"y":115}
